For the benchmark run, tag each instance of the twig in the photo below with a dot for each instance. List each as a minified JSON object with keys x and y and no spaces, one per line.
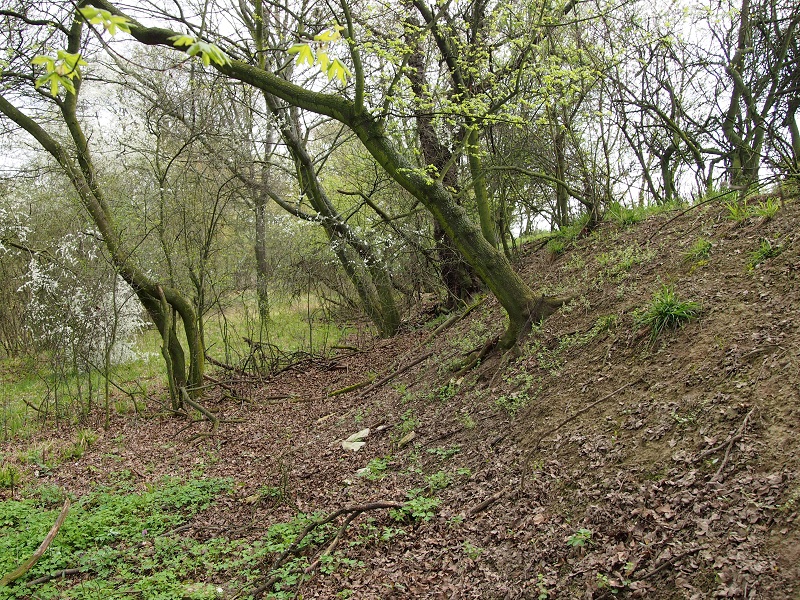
{"x":739,"y":434}
{"x":57,"y":575}
{"x":670,"y":561}
{"x":28,"y":564}
{"x":332,"y":546}
{"x":295,"y":545}
{"x":487,"y":503}
{"x":581,"y":411}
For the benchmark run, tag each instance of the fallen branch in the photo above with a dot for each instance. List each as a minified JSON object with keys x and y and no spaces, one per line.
{"x":487,"y":503}
{"x":350,"y":388}
{"x":394,"y":374}
{"x":57,"y":575}
{"x":294,"y":547}
{"x":197,"y":406}
{"x":477,"y":356}
{"x":670,"y":561}
{"x":582,"y":411}
{"x":334,"y":544}
{"x":28,"y":564}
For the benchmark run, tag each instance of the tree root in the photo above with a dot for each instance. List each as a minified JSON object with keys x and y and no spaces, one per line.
{"x":474,"y":358}
{"x":580,"y":412}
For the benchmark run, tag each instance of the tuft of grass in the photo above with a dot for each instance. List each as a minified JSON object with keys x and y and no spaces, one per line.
{"x":667,"y":311}
{"x":765,"y":251}
{"x":624,"y":216}
{"x":700,"y":250}
{"x":767,"y":209}
{"x":737,"y":211}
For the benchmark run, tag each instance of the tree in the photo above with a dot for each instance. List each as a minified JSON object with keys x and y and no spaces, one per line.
{"x":369,"y":123}
{"x":73,"y":155}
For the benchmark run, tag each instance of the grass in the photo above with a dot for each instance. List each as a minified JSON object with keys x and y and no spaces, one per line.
{"x":700,"y":250}
{"x":33,"y":393}
{"x":764,"y":252}
{"x":667,"y":311}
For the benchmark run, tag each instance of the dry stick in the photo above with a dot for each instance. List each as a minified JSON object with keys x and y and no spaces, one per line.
{"x":581,"y":411}
{"x":718,"y":475}
{"x":57,"y":575}
{"x":488,"y":502}
{"x":349,"y":388}
{"x":332,"y":546}
{"x":669,"y":562}
{"x":28,"y":564}
{"x":727,"y":443}
{"x":399,"y":371}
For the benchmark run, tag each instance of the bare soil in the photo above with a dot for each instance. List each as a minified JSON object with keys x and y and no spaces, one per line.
{"x":634,"y":468}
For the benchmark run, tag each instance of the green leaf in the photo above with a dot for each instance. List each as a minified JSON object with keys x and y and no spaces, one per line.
{"x":44,"y":60}
{"x":304,"y":54}
{"x":339,"y":70}
{"x":182,"y":40}
{"x":110,"y":23}
{"x":329,"y":35}
{"x":208,"y":52}
{"x":323,"y":60}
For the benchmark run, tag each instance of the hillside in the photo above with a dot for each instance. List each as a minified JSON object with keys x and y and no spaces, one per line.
{"x":597,"y":462}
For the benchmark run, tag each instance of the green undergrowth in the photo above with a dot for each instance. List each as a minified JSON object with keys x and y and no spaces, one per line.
{"x":119,"y":542}
{"x":118,"y":539}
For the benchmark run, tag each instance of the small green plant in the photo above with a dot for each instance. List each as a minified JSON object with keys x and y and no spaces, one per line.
{"x":417,"y":507}
{"x":512,"y":403}
{"x":471,"y":551}
{"x":765,"y":251}
{"x":445,"y":453}
{"x":10,"y":477}
{"x":447,"y":391}
{"x":581,"y":538}
{"x":407,"y":422}
{"x":625,"y":216}
{"x":737,"y":211}
{"x":438,"y":481}
{"x":700,"y":250}
{"x":556,"y":246}
{"x":667,"y":311}
{"x":375,"y":469}
{"x":541,"y":587}
{"x":467,"y":421}
{"x":47,"y":495}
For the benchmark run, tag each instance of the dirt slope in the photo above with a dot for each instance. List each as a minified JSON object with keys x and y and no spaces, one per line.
{"x":595,"y":464}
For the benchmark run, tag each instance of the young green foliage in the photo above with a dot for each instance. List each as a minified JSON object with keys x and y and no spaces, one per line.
{"x":307,"y":55}
{"x":59,"y":71}
{"x":208,"y":52}
{"x":109,"y":22}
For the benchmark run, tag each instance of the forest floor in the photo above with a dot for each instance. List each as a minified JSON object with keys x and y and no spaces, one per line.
{"x":597,"y":463}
